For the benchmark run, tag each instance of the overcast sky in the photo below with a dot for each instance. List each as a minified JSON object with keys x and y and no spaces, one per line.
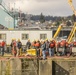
{"x":47,"y":7}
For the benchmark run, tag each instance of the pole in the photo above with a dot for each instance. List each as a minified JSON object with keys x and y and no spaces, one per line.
{"x":14,"y":20}
{"x":14,"y":15}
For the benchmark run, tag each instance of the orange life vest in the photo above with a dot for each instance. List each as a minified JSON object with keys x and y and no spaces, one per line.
{"x":52,"y":44}
{"x":37,"y":44}
{"x":67,"y":44}
{"x":3,"y":43}
{"x":61,"y":44}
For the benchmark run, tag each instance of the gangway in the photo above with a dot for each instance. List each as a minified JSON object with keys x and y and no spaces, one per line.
{"x":57,"y":32}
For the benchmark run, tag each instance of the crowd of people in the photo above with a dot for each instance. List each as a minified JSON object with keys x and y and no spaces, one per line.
{"x":43,"y":48}
{"x":51,"y":48}
{"x":16,"y":47}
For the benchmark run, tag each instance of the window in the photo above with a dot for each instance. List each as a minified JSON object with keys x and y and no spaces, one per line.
{"x":25,"y":36}
{"x":2,"y":36}
{"x":43,"y":36}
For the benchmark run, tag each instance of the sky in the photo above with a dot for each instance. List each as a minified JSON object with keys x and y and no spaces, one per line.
{"x":47,"y":7}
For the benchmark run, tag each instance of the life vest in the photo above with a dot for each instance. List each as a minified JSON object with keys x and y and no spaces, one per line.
{"x":52,"y":44}
{"x":14,"y":43}
{"x":37,"y":44}
{"x":3,"y":43}
{"x":62,"y":43}
{"x":67,"y":44}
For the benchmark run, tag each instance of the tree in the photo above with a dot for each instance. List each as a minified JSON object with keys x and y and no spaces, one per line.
{"x":57,"y":23}
{"x":68,"y":23}
{"x":42,"y":18}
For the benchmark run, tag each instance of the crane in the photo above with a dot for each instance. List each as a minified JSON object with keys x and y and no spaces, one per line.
{"x":57,"y":32}
{"x":72,"y":7}
{"x":74,"y":27}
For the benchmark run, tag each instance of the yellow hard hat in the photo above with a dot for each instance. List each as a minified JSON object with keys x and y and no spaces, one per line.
{"x":42,"y":40}
{"x":18,"y":39}
{"x":46,"y":39}
{"x":14,"y":39}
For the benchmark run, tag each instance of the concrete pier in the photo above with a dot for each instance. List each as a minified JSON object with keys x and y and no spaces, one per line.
{"x":50,"y":66}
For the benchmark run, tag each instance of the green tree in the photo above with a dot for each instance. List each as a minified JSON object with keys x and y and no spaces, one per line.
{"x":42,"y":18}
{"x":57,"y":23}
{"x":68,"y":23}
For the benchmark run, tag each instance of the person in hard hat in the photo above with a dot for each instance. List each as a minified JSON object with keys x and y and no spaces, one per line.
{"x":28,"y":44}
{"x":14,"y":46}
{"x":37,"y":47}
{"x":47,"y":46}
{"x":74,"y":43}
{"x":62,"y":47}
{"x":0,"y":48}
{"x":68,"y":49}
{"x":3,"y":47}
{"x":43,"y":48}
{"x":19,"y":47}
{"x":33,"y":44}
{"x":51,"y":48}
{"x":11,"y":45}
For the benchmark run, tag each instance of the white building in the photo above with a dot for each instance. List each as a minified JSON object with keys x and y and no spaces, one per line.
{"x":24,"y":35}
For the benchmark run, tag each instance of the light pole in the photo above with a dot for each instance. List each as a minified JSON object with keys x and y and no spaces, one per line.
{"x":14,"y":20}
{"x":14,"y":15}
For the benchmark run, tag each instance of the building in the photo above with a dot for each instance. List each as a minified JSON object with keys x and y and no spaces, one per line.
{"x":24,"y":35}
{"x":6,"y":19}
